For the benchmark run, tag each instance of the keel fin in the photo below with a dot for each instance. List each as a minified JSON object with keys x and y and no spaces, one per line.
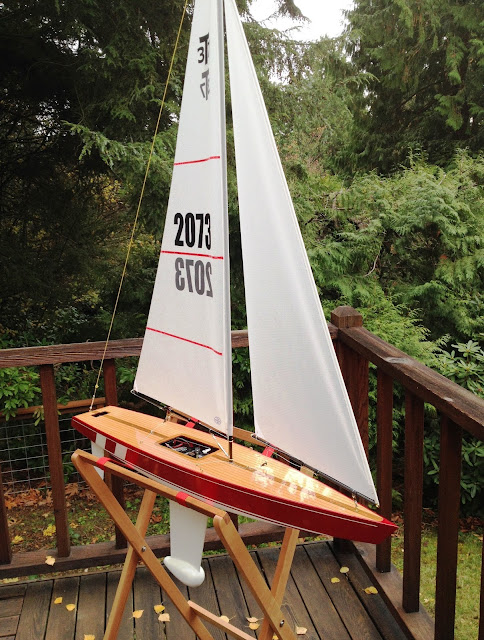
{"x":187,"y":535}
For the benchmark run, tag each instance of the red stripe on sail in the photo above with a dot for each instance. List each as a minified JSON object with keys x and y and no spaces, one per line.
{"x":197,"y":255}
{"x":198,"y":344}
{"x":177,"y":164}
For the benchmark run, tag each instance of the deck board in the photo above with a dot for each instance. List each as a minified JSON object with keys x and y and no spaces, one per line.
{"x":329,"y":611}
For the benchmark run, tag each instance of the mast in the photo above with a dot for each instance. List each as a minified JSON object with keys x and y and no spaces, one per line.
{"x":225,"y":206}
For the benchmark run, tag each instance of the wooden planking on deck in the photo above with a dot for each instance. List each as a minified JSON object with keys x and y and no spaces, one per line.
{"x":338,"y":611}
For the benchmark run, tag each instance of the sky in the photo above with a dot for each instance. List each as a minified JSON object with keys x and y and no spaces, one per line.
{"x":325,"y":15}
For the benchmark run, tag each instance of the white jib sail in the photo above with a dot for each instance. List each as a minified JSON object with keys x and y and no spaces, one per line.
{"x":300,"y":400}
{"x":186,"y":357}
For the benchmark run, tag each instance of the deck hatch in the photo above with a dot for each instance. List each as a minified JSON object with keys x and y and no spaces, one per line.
{"x":189,"y":447}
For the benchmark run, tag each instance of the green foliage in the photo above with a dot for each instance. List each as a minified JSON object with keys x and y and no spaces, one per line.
{"x":426,"y":60}
{"x":465,"y":365}
{"x":415,"y":238}
{"x":243,"y":408}
{"x":82,"y":82}
{"x":18,"y":388}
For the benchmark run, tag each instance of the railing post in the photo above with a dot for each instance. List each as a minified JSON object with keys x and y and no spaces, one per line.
{"x":49,"y":401}
{"x":354,"y":368}
{"x":110,"y":386}
{"x":481,"y":615}
{"x":449,"y":502}
{"x":412,"y":512}
{"x":115,"y":483}
{"x":5,"y":547}
{"x":355,"y":374}
{"x":384,"y":421}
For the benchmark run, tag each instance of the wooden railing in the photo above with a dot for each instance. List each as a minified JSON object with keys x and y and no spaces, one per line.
{"x":356,"y":347}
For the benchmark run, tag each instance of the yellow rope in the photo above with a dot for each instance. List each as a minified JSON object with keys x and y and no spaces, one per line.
{"x":130,"y":244}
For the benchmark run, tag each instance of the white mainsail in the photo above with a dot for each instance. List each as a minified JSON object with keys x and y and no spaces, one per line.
{"x":300,"y":401}
{"x":186,"y":357}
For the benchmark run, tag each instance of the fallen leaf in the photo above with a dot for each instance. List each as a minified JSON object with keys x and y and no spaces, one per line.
{"x":7,"y":580}
{"x":225,"y":618}
{"x":138,"y":613}
{"x":334,"y":580}
{"x":17,"y":540}
{"x":300,"y":631}
{"x":159,"y":608}
{"x":50,"y":531}
{"x":254,"y":626}
{"x":344,"y":570}
{"x":50,"y":560}
{"x":58,"y":600}
{"x":70,"y":607}
{"x":164,"y":617}
{"x":89,"y":636}
{"x":252,"y":619}
{"x":371,"y":590}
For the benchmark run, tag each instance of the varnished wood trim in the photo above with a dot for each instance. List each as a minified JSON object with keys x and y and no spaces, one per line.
{"x":449,"y":503}
{"x":49,"y":399}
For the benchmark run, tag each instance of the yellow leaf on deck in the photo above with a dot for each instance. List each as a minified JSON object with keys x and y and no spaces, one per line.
{"x":58,"y":600}
{"x":300,"y":631}
{"x":17,"y":540}
{"x":164,"y":617}
{"x":371,"y":590}
{"x":254,"y":626}
{"x":89,"y":636}
{"x":225,"y":618}
{"x":159,"y":608}
{"x":70,"y":607}
{"x":7,"y":580}
{"x":50,"y":560}
{"x":334,"y":580}
{"x":252,"y":619}
{"x":344,"y":570}
{"x":138,"y":613}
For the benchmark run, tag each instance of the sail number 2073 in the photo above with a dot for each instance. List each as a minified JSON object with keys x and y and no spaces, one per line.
{"x":194,"y":275}
{"x":193,"y":230}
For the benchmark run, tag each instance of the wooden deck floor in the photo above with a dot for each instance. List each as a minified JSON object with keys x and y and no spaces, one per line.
{"x":329,"y":611}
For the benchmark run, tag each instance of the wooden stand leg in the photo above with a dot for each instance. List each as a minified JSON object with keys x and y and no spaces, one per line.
{"x":139,"y":547}
{"x":281,"y":576}
{"x":244,"y":563}
{"x":268,"y":600}
{"x":129,"y":568}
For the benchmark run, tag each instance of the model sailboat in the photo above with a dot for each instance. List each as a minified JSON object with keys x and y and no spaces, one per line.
{"x":301,"y":406}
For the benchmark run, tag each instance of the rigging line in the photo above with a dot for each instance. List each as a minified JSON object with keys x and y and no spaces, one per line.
{"x":138,"y":208}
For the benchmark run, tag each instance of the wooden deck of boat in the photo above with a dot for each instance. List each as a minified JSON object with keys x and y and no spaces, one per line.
{"x":329,"y":611}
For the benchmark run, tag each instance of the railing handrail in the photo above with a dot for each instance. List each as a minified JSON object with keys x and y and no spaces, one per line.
{"x":463,"y":407}
{"x":82,"y":351}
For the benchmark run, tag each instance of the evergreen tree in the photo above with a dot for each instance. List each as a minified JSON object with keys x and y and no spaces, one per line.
{"x":426,"y":61}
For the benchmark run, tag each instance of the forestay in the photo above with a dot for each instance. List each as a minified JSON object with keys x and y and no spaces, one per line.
{"x":300,"y":400}
{"x":186,"y":357}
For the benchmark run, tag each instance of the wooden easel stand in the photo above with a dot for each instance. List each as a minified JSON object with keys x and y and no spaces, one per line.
{"x":269,"y":600}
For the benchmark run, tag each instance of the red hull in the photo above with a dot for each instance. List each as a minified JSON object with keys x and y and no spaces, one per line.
{"x":227,"y":491}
